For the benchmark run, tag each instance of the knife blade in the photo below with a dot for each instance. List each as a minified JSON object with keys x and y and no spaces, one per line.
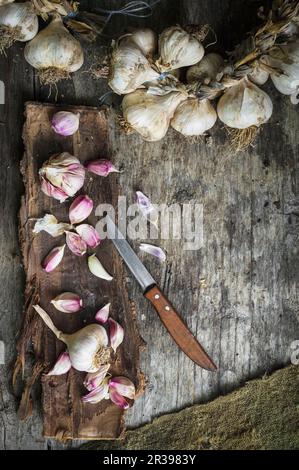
{"x":168,"y":315}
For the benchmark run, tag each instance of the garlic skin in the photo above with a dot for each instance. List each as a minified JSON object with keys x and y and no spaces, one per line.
{"x":286,"y":59}
{"x":123,"y":386}
{"x":50,"y":224}
{"x":150,"y":114}
{"x":53,"y":259}
{"x":67,"y":302}
{"x":19,"y":20}
{"x":206,"y":70}
{"x":143,"y":38}
{"x":194,"y":117}
{"x":244,"y":105}
{"x":178,"y":49}
{"x":62,"y":365}
{"x":62,"y":176}
{"x":65,"y":123}
{"x":87,"y":348}
{"x":54,"y":52}
{"x":95,"y":379}
{"x":129,"y":69}
{"x":75,"y":243}
{"x":146,"y":208}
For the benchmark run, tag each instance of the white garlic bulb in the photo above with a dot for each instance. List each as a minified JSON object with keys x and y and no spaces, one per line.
{"x":194,"y":117}
{"x":129,"y":69}
{"x":286,"y":59}
{"x":145,"y":39}
{"x":54,"y":52}
{"x":206,"y":70}
{"x":244,"y":105}
{"x":178,"y":49}
{"x":18,"y":22}
{"x":150,"y":114}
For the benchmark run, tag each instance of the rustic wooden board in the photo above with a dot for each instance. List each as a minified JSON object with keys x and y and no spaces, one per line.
{"x":65,"y":416}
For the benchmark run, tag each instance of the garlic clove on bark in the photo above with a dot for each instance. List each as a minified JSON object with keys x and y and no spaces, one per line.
{"x":123,"y":386}
{"x":67,"y":302}
{"x":95,"y":379}
{"x":80,"y":209}
{"x":116,"y":334}
{"x":53,"y":259}
{"x":118,"y":399}
{"x":101,"y":167}
{"x":65,"y":123}
{"x":103,"y":314}
{"x":62,"y":365}
{"x":96,"y":268}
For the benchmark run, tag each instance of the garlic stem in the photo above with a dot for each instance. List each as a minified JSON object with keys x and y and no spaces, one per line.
{"x":59,"y":335}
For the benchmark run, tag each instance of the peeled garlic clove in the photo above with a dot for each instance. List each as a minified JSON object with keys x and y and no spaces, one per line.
{"x":18,"y":22}
{"x":96,"y":268}
{"x":101,"y":167}
{"x":98,"y":394}
{"x":80,"y":209}
{"x":62,"y":176}
{"x":76,"y":244}
{"x":103,"y":314}
{"x":88,"y":347}
{"x":65,"y":123}
{"x":153,"y":250}
{"x":206,"y":70}
{"x":50,"y":224}
{"x":118,"y":400}
{"x":123,"y":386}
{"x":179,"y":49}
{"x":194,"y":117}
{"x":89,"y":235}
{"x":54,"y":52}
{"x":53,"y":259}
{"x":143,"y":38}
{"x":244,"y":105}
{"x":129,"y":69}
{"x":62,"y":365}
{"x":67,"y":302}
{"x":116,"y":334}
{"x":95,"y":379}
{"x":150,"y":114}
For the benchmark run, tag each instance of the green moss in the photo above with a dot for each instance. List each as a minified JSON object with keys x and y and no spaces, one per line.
{"x":261,"y":415}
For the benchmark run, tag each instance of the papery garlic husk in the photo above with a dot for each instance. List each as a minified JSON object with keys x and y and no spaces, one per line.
{"x":65,"y":123}
{"x":143,"y":38}
{"x":62,"y":176}
{"x":206,"y":70}
{"x":75,"y":243}
{"x":53,"y":259}
{"x":177,"y":49}
{"x":286,"y":60}
{"x":18,"y":22}
{"x":67,"y":302}
{"x":123,"y":386}
{"x":97,"y":394}
{"x":97,"y":269}
{"x":95,"y":379}
{"x":147,"y":209}
{"x":150,"y":114}
{"x":244,"y":105}
{"x":116,"y":334}
{"x":62,"y":365}
{"x":50,"y":224}
{"x":194,"y":117}
{"x":103,"y":314}
{"x":88,"y":347}
{"x":54,"y":52}
{"x":129,"y":69}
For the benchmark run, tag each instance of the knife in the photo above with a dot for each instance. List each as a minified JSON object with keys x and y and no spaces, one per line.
{"x":169,"y":317}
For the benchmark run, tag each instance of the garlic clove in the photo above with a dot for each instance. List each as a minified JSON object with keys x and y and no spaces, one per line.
{"x":206,"y":70}
{"x":62,"y":365}
{"x":49,"y":190}
{"x":80,"y":209}
{"x":118,"y":400}
{"x":143,"y":38}
{"x":67,"y":302}
{"x":116,"y":334}
{"x":98,"y":394}
{"x":194,"y":117}
{"x":153,"y":250}
{"x":89,"y":235}
{"x":103,"y":314}
{"x":146,"y":208}
{"x":75,"y":243}
{"x":95,"y":379}
{"x":53,"y":259}
{"x":96,"y":268}
{"x":65,"y":123}
{"x":50,"y":224}
{"x":123,"y":386}
{"x":101,"y":167}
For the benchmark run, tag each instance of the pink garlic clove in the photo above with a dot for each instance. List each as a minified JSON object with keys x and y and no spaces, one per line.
{"x":95,"y":379}
{"x":153,"y":250}
{"x":89,"y":234}
{"x":101,"y":167}
{"x":67,"y":302}
{"x":118,"y":400}
{"x":75,"y":243}
{"x":49,"y":190}
{"x":98,"y":394}
{"x":65,"y":123}
{"x":62,"y":365}
{"x":123,"y":386}
{"x":80,"y":209}
{"x":116,"y":334}
{"x":53,"y":258}
{"x":103,"y":314}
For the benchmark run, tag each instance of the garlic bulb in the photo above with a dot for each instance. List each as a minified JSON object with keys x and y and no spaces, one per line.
{"x":260,"y":74}
{"x":88,"y":347}
{"x":244,"y":105}
{"x":178,"y":49}
{"x":206,"y":70}
{"x":18,"y":22}
{"x":150,"y":114}
{"x":194,"y":117}
{"x":145,"y":39}
{"x":286,"y":60}
{"x":129,"y":69}
{"x":54,"y":52}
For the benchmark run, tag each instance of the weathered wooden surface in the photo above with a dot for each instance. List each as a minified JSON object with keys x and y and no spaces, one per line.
{"x":237,"y":293}
{"x":65,"y":416}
